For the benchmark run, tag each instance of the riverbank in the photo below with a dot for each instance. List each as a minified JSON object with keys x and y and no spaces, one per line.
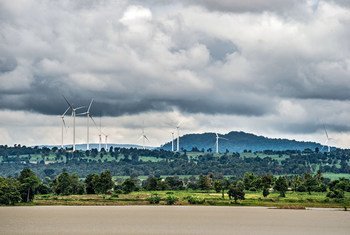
{"x":293,"y":200}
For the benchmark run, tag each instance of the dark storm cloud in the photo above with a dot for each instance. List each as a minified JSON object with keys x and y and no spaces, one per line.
{"x":133,"y":59}
{"x":7,"y":64}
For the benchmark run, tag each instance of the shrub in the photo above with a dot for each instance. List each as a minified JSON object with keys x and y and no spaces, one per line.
{"x":338,"y":194}
{"x":195,"y":200}
{"x":171,"y":200}
{"x":154,"y":199}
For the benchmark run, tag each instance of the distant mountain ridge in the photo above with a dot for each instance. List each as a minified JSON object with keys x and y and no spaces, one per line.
{"x":238,"y":141}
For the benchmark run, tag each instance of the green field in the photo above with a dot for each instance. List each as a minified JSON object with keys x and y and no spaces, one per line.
{"x":292,"y":199}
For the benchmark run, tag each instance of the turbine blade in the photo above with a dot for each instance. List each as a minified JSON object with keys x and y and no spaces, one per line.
{"x":66,"y":111}
{"x":92,"y":100}
{"x":67,"y":102}
{"x":64,"y":123}
{"x":140,"y":137}
{"x":93,"y":121}
{"x":325,"y":130}
{"x":81,"y":107}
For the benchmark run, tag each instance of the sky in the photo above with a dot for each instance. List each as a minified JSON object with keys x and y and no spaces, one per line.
{"x":269,"y":67}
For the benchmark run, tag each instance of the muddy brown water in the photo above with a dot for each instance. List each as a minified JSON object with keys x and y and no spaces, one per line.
{"x":170,"y":220}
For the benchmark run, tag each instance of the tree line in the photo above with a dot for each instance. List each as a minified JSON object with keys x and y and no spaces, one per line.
{"x":24,"y":187}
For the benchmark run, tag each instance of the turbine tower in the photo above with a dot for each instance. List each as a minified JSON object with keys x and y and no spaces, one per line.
{"x":172,"y":141}
{"x":73,"y":114}
{"x":63,"y":125}
{"x":106,"y":141}
{"x":178,"y":136}
{"x":88,"y":116}
{"x":217,"y":141}
{"x":100,"y":136}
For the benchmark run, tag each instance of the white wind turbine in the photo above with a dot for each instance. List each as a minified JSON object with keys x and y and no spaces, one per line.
{"x":217,"y":141}
{"x":143,"y":137}
{"x":73,"y":114}
{"x":88,"y":116}
{"x":178,"y":136}
{"x":63,"y":125}
{"x":106,"y":141}
{"x":327,"y":140}
{"x":172,"y":141}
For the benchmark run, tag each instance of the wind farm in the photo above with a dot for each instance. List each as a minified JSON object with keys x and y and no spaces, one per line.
{"x":135,"y":117}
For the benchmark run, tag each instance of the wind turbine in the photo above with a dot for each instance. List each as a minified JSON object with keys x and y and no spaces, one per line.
{"x":327,"y":140}
{"x":73,"y":114}
{"x":217,"y":141}
{"x":88,"y":116}
{"x":172,"y":141}
{"x":100,"y":136}
{"x":178,"y":136}
{"x":106,"y":141}
{"x":143,"y":137}
{"x":63,"y":125}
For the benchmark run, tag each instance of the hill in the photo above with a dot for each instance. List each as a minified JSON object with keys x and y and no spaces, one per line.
{"x":238,"y":142}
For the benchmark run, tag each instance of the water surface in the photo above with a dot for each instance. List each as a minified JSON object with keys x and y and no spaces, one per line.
{"x":170,"y":220}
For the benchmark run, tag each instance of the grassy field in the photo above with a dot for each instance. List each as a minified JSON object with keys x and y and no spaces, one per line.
{"x":292,"y":199}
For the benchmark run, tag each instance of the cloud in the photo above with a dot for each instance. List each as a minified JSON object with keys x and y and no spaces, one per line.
{"x":265,"y":61}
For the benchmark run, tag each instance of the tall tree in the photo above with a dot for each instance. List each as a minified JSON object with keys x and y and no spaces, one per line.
{"x":281,"y":186}
{"x":29,"y":182}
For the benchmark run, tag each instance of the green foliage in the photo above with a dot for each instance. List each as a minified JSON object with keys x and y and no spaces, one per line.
{"x":9,"y":191}
{"x":154,"y":199}
{"x":336,"y":193}
{"x":103,"y":183}
{"x":129,"y":185}
{"x":195,"y":200}
{"x":171,"y":200}
{"x":266,"y":192}
{"x":236,"y":191}
{"x":90,"y":182}
{"x":68,"y":184}
{"x":218,"y":186}
{"x":281,"y":186}
{"x":29,"y":182}
{"x":204,"y":182}
{"x":43,"y":189}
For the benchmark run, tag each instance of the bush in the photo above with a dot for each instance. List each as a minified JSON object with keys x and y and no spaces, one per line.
{"x":195,"y":200}
{"x":339,"y":194}
{"x":154,"y":199}
{"x":171,"y":200}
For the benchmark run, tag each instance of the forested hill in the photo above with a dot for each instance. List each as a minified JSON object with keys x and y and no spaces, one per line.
{"x":238,"y":142}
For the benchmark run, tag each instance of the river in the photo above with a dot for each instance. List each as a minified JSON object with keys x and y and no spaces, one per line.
{"x":170,"y":220}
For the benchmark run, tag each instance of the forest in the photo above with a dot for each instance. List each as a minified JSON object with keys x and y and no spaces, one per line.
{"x":46,"y":162}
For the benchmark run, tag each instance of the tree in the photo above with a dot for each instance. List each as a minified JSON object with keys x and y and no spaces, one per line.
{"x":204,"y":182}
{"x":266,"y":192}
{"x":281,"y":186}
{"x":29,"y":182}
{"x":104,"y":182}
{"x":217,"y":186}
{"x":236,"y":191}
{"x":90,"y":183}
{"x":66,"y":184}
{"x":310,"y":183}
{"x":9,"y":191}
{"x":129,"y":185}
